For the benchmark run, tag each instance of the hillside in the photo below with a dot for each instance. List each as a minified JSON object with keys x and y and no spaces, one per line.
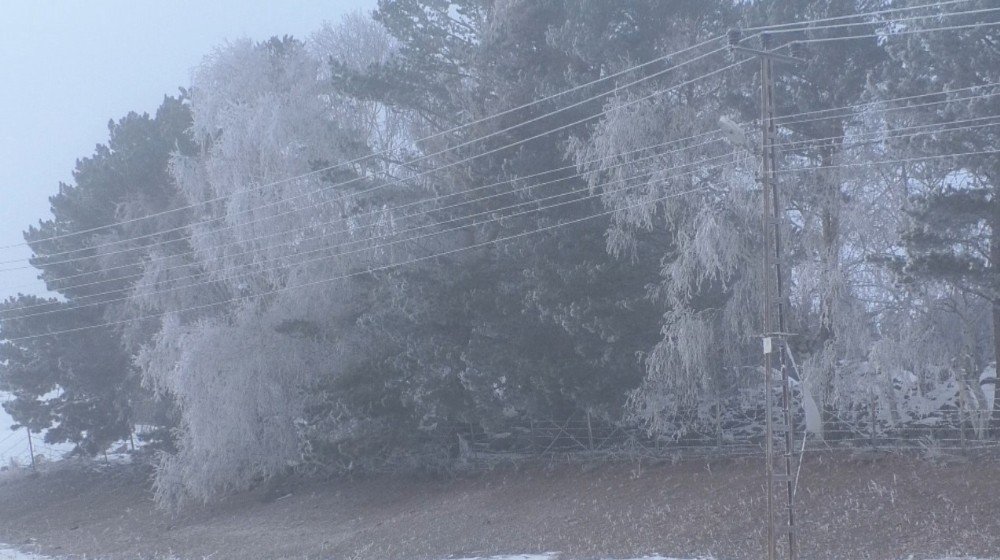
{"x":886,"y":507}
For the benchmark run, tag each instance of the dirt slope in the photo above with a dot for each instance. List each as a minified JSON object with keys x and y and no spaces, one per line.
{"x":849,"y":508}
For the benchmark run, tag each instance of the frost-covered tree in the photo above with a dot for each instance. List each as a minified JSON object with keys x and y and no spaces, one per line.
{"x":952,"y":236}
{"x":693,"y":203}
{"x":238,"y":384}
{"x":281,"y":155}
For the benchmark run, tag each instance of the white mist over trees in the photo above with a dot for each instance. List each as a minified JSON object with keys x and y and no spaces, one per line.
{"x":370,"y":240}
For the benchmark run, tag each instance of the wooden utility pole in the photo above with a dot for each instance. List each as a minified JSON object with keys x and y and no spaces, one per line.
{"x":775,"y":329}
{"x":31,"y":448}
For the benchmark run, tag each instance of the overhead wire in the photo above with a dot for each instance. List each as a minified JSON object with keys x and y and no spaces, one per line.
{"x":891,"y":34}
{"x":438,"y":153}
{"x":883,"y":135}
{"x":878,"y":136}
{"x":388,"y":212}
{"x":884,"y":162}
{"x":776,"y":26}
{"x":628,"y":103}
{"x":491,"y":211}
{"x":892,"y":21}
{"x":81,"y":301}
{"x":382,"y":268}
{"x":9,"y":436}
{"x":703,"y":43}
{"x":364,"y":272}
{"x":423,"y":157}
{"x":382,"y":185}
{"x":341,"y":220}
{"x":781,"y":121}
{"x":21,"y":443}
{"x":842,"y":38}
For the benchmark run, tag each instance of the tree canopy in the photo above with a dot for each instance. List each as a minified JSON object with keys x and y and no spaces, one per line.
{"x":351,"y":250}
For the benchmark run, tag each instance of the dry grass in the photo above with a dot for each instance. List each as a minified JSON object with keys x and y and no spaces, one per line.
{"x":877,"y":507}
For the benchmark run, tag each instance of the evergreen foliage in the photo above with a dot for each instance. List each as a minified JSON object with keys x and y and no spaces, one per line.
{"x":356,"y":256}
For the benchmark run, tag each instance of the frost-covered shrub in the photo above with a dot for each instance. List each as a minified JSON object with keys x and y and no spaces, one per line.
{"x":238,"y":389}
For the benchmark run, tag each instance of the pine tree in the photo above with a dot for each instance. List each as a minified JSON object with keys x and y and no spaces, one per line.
{"x":81,"y":386}
{"x":953,"y":235}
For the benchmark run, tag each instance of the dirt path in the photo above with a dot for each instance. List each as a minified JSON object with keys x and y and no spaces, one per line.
{"x":878,"y":508}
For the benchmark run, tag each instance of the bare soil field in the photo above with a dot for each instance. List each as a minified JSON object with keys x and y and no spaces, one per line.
{"x":854,"y":508}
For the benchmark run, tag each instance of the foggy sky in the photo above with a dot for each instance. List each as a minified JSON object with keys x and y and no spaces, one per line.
{"x":69,"y":67}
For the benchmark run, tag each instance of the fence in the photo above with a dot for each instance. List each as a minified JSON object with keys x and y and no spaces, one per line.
{"x":584,"y":436}
{"x":15,"y":449}
{"x":718,"y":431}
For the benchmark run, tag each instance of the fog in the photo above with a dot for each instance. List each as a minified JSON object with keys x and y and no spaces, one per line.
{"x":323,"y":264}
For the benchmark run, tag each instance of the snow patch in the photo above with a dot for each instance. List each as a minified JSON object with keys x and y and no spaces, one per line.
{"x":11,"y":554}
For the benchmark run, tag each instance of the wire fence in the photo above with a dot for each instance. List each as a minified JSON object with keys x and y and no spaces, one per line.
{"x":590,"y":437}
{"x":584,"y":437}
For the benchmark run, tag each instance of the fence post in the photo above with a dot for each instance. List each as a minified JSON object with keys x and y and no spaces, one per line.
{"x":872,"y":427}
{"x":31,"y":448}
{"x":961,"y":411}
{"x":532,"y":445}
{"x":590,"y":433}
{"x":718,"y":423}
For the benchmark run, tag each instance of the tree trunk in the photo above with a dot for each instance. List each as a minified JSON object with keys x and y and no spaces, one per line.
{"x":830,"y":221}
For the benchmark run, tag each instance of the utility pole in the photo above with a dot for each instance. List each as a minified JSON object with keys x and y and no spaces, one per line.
{"x":31,"y":448}
{"x":775,"y":329}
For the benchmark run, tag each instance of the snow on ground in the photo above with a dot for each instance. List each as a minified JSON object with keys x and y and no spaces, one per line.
{"x":14,"y":445}
{"x":11,"y":554}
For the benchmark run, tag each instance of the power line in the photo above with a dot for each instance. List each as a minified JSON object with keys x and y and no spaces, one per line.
{"x":583,"y":189}
{"x":385,"y":213}
{"x":362,"y":272}
{"x":774,"y":27}
{"x":879,"y":136}
{"x":391,"y":266}
{"x":9,"y":436}
{"x":397,"y":181}
{"x":843,"y":38}
{"x":938,"y":15}
{"x":781,"y":122}
{"x":890,"y":34}
{"x":21,"y":443}
{"x":883,"y":162}
{"x":438,"y":134}
{"x":418,"y":159}
{"x":342,"y":220}
{"x":172,"y":256}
